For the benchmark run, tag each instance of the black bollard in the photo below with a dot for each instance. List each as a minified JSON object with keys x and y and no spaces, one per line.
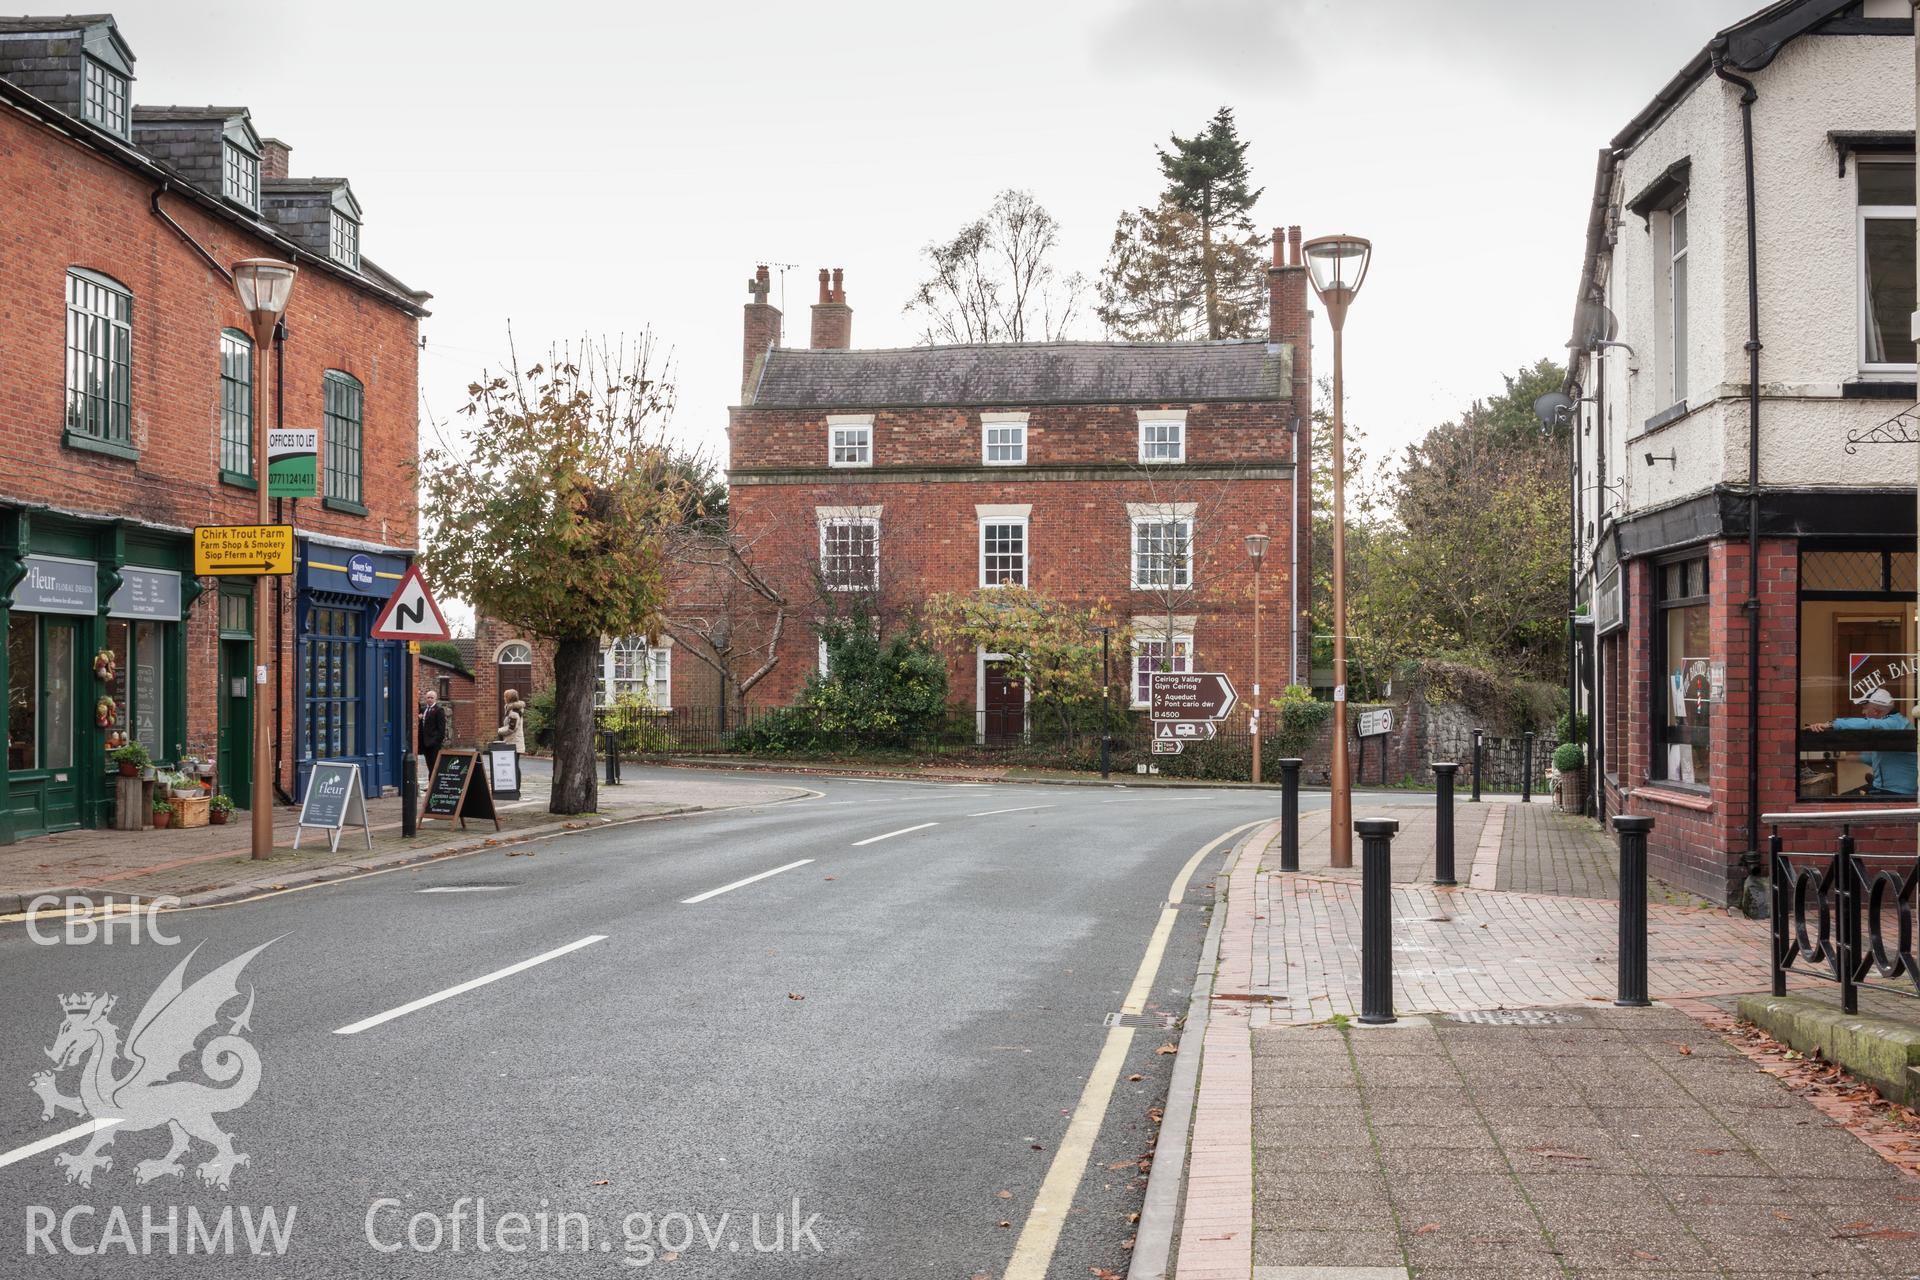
{"x":1526,"y":767}
{"x":409,"y":795}
{"x":1632,"y":983}
{"x":1479,"y":742}
{"x":1443,"y":822}
{"x":1376,"y":919}
{"x":1290,"y":814}
{"x":611,"y":743}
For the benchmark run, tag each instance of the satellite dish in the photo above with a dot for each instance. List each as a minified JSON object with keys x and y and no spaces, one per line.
{"x":1593,"y":324}
{"x":1552,"y":409}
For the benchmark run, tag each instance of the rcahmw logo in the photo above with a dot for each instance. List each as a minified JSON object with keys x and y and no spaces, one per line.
{"x":131,"y":1086}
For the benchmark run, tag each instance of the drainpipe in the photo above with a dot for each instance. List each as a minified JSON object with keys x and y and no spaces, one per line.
{"x":1293,"y":547}
{"x":1596,"y":743}
{"x":1750,"y":860}
{"x":1573,"y":581}
{"x":279,"y":613}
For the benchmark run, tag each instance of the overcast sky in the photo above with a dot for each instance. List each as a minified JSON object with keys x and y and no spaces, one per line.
{"x":604,"y":167}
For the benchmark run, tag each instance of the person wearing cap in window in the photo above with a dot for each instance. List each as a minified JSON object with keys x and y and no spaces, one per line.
{"x":1893,"y":771}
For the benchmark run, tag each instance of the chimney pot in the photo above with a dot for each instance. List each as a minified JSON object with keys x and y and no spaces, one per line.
{"x":1293,"y":245}
{"x":832,"y":317}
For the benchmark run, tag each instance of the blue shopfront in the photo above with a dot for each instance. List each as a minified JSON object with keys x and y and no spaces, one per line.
{"x":352,"y":702}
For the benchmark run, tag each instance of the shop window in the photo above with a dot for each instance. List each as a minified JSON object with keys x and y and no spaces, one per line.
{"x":331,"y":727}
{"x":99,"y":360}
{"x":236,"y":403}
{"x":1857,"y":683}
{"x":58,"y":674}
{"x":23,"y":692}
{"x":139,"y":684}
{"x":344,"y":402}
{"x":1687,"y":687}
{"x":1886,"y":246}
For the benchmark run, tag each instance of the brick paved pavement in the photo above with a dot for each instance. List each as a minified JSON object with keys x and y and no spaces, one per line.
{"x":1593,"y":1141}
{"x":1620,"y":1142}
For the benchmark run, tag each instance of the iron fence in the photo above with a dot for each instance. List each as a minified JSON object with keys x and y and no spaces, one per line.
{"x":1831,"y":907}
{"x":1042,"y":740}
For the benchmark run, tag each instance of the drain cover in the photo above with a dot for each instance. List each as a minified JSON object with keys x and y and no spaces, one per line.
{"x":1515,"y":1017}
{"x":1155,"y":1021}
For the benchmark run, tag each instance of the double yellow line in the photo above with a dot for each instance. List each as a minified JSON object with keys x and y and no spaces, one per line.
{"x":1033,"y":1252}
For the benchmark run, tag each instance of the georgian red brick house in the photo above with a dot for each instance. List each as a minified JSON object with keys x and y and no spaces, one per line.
{"x":127,"y":420}
{"x":1117,"y":474}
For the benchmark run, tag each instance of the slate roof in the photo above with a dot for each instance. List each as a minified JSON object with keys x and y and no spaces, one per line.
{"x":1025,"y":373}
{"x":164,"y":115}
{"x":62,"y":22}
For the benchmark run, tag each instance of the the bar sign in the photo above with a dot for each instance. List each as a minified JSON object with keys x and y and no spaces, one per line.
{"x":293,"y":462}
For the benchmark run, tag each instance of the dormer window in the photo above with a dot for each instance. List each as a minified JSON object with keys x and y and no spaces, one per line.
{"x":242,"y":182}
{"x":103,"y":98}
{"x":345,"y":243}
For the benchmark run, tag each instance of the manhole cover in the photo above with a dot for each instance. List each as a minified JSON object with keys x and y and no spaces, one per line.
{"x":1515,"y":1017}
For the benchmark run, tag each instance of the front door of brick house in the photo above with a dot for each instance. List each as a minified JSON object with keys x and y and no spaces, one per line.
{"x":1003,"y":703}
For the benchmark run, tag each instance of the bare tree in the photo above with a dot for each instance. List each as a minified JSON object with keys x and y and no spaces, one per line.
{"x":724,"y":610}
{"x":994,"y":280}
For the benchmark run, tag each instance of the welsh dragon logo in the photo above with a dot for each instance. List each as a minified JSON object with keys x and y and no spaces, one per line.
{"x":143,"y":1094}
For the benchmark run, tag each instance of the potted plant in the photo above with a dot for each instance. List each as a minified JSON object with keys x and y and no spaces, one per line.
{"x":162,"y":813}
{"x":1570,"y":762}
{"x":132,"y":758}
{"x":218,"y":808}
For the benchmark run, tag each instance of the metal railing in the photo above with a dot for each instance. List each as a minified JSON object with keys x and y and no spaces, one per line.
{"x":1830,"y":908}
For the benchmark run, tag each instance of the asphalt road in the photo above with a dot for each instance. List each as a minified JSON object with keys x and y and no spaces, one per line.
{"x":892,"y":1035}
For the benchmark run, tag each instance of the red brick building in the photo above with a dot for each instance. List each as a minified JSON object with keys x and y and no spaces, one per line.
{"x":127,"y":421}
{"x":1121,"y":475}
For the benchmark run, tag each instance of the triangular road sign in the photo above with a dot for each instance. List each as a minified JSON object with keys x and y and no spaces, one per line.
{"x":411,"y":613}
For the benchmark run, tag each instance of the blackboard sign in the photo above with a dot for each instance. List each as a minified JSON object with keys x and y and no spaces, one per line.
{"x":458,"y":790}
{"x":334,"y":802}
{"x":503,"y":771}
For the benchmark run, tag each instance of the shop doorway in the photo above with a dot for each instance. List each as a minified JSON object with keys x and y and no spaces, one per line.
{"x":59,"y":717}
{"x":235,"y":759}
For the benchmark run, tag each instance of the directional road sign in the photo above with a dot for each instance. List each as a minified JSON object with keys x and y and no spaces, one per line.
{"x":1185,"y":730}
{"x":226,"y":550}
{"x":1191,"y":695}
{"x":411,"y":613}
{"x":1167,"y":748}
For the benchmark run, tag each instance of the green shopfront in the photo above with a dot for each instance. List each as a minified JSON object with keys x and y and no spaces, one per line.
{"x":93,"y":613}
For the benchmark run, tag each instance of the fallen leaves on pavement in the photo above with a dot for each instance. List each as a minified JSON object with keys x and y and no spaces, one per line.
{"x":1167,"y":1048}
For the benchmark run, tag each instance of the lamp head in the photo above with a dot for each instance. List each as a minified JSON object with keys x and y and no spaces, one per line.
{"x":1337,"y":265}
{"x":264,"y":285}
{"x":1257,"y":547}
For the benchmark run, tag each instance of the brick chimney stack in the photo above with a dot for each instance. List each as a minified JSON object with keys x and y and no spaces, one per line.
{"x":762,"y":331}
{"x":274,"y":155}
{"x":832,"y":317}
{"x":1287,"y":289}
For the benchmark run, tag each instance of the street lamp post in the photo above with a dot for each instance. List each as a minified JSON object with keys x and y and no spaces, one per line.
{"x":1337,"y":266}
{"x":264,"y":285}
{"x":1257,"y":549}
{"x":1106,"y":692}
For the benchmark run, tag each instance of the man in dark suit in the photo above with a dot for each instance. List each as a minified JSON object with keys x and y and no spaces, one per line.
{"x":433,"y":728}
